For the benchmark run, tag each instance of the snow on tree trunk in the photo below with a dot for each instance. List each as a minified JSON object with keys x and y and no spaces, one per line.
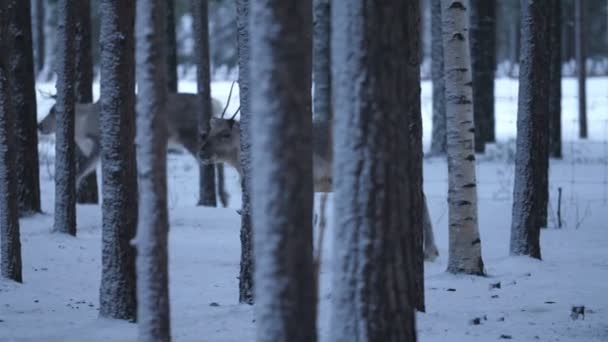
{"x":438,"y":138}
{"x":246,"y":264}
{"x":377,"y":242}
{"x":282,"y":184}
{"x":580,"y":22}
{"x":38,"y":34}
{"x":465,"y":244}
{"x":200,"y":11}
{"x":171,"y":47}
{"x":555,"y":90}
{"x":153,"y":218}
{"x":119,"y":173}
{"x":65,"y":156}
{"x":532,"y":130}
{"x":10,"y":245}
{"x":23,"y":97}
{"x":50,"y":41}
{"x":87,"y":189}
{"x":322,"y":60}
{"x":483,"y":62}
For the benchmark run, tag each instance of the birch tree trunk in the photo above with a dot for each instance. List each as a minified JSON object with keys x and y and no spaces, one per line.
{"x":119,"y":172}
{"x":555,"y":78}
{"x":439,"y":135}
{"x":465,"y":244}
{"x":153,"y":221}
{"x":377,"y":242}
{"x":282,"y":183}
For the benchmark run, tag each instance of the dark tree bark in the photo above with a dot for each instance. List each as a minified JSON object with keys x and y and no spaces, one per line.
{"x":119,"y":172}
{"x":247,"y":266}
{"x":282,"y":186}
{"x":221,"y":185}
{"x":10,"y":245}
{"x":200,"y":14}
{"x":65,"y":156}
{"x":532,"y":130}
{"x":438,"y":139}
{"x":555,"y":90}
{"x":87,"y":189}
{"x":483,"y":64}
{"x":38,"y":34}
{"x":23,"y":97}
{"x":580,"y":22}
{"x":153,"y":226}
{"x":171,"y":48}
{"x":376,"y":244}
{"x":321,"y":69}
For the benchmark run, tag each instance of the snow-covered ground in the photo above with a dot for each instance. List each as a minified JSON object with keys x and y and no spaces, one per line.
{"x":58,"y":300}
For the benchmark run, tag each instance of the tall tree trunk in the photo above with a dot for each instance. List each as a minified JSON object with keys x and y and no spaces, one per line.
{"x":118,"y":167}
{"x":377,"y":243}
{"x":23,"y":98}
{"x":321,"y":60}
{"x":532,"y":130}
{"x":153,"y":222}
{"x":282,"y":186}
{"x":222,"y":194}
{"x":50,"y":41}
{"x":10,"y":245}
{"x":65,"y":156}
{"x":200,"y":11}
{"x":171,"y":48}
{"x":87,"y":189}
{"x":580,"y":22}
{"x":555,"y":78}
{"x":465,"y":244}
{"x":246,"y":269}
{"x":438,"y":140}
{"x":483,"y":64}
{"x":38,"y":34}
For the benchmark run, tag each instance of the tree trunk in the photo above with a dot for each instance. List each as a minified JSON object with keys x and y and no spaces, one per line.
{"x":221,"y":185}
{"x":65,"y":156}
{"x":321,"y":60}
{"x":580,"y":22}
{"x":282,"y":186}
{"x":171,"y":48}
{"x":118,"y":167}
{"x":10,"y":245}
{"x":50,"y":41}
{"x":23,"y":98}
{"x":465,"y":245}
{"x":555,"y":78}
{"x":377,"y":244}
{"x":87,"y":189}
{"x":38,"y":34}
{"x":532,"y":130}
{"x":247,"y":266}
{"x":200,"y":11}
{"x":483,"y":63}
{"x":153,"y":226}
{"x":438,"y":140}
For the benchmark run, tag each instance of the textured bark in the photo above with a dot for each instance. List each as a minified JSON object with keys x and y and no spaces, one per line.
{"x":87,"y":189}
{"x":119,"y":172}
{"x":465,"y":245}
{"x":200,"y":13}
{"x":171,"y":47}
{"x":378,"y":241}
{"x":247,"y":266}
{"x":580,"y":9}
{"x":439,"y":135}
{"x":321,"y":70}
{"x":282,"y":186}
{"x":65,"y":149}
{"x":153,"y":223}
{"x":23,"y":97}
{"x":532,"y":130}
{"x":555,"y":78}
{"x":38,"y":34}
{"x":483,"y":63}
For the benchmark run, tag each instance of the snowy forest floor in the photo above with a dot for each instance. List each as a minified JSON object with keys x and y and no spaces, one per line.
{"x":58,"y":300}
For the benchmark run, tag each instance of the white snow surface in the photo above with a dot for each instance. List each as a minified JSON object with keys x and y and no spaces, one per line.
{"x":58,"y":300}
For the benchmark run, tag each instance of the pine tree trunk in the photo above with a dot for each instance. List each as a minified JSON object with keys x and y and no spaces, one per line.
{"x":153,"y":221}
{"x":65,"y":149}
{"x":580,"y":22}
{"x":282,"y":186}
{"x":532,"y":130}
{"x":200,"y":11}
{"x":50,"y":41}
{"x":38,"y":35}
{"x":171,"y":48}
{"x":321,"y":60}
{"x":87,"y":189}
{"x":23,"y":98}
{"x":119,"y":171}
{"x":438,"y":140}
{"x":483,"y":62}
{"x":465,"y":244}
{"x":378,"y":241}
{"x":555,"y":78}
{"x":246,"y":264}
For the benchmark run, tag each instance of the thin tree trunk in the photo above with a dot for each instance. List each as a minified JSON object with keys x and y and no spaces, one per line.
{"x":38,"y":34}
{"x":439,"y":137}
{"x":23,"y":98}
{"x":221,"y":185}
{"x":321,"y":60}
{"x":200,"y":11}
{"x":246,"y":264}
{"x":282,"y":186}
{"x":87,"y":189}
{"x":465,"y":244}
{"x":119,"y":172}
{"x":171,"y":48}
{"x":50,"y":41}
{"x":378,"y":241}
{"x":65,"y":156}
{"x":153,"y":222}
{"x":532,"y":130}
{"x":580,"y":22}
{"x":555,"y":91}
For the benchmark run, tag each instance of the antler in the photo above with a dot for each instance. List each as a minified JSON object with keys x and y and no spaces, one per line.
{"x":46,"y":94}
{"x":228,"y":101}
{"x":237,"y":110}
